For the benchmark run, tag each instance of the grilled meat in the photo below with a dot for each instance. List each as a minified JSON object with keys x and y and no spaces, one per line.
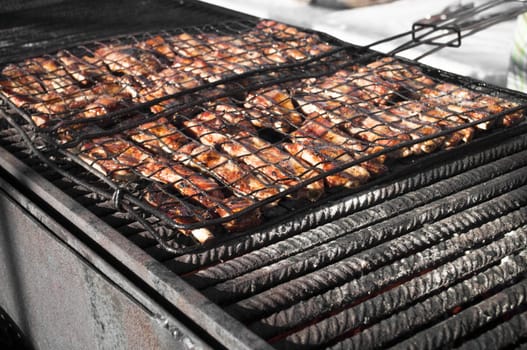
{"x":80,"y":69}
{"x":127,"y":59}
{"x":497,"y":105}
{"x":472,"y":105}
{"x":292,"y":166}
{"x":161,"y":136}
{"x":435,"y":116}
{"x":123,"y":160}
{"x":414,"y":127}
{"x":459,"y":100}
{"x":264,"y":159}
{"x":179,"y":212}
{"x":327,"y":157}
{"x":319,"y":128}
{"x":220,"y":162}
{"x":364,"y":86}
{"x":234,"y":206}
{"x":410,"y":78}
{"x":212,"y":131}
{"x":355,"y":122}
{"x":272,"y":108}
{"x":227,"y":171}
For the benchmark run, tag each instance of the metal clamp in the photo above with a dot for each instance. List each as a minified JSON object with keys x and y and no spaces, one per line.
{"x":447,"y":31}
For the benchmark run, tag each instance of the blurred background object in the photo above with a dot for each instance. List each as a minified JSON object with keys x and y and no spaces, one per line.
{"x":343,"y":4}
{"x":517,"y":77}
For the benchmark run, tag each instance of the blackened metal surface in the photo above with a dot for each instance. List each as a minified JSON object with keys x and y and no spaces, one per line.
{"x":11,"y":337}
{"x":454,"y":230}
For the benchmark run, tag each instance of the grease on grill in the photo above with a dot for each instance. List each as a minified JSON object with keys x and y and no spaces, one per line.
{"x":170,"y":114}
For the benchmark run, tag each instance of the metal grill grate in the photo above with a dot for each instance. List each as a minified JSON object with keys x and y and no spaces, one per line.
{"x":211,"y":128}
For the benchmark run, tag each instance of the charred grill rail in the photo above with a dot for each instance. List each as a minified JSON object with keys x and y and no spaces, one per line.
{"x":431,"y":261}
{"x":214,"y":129}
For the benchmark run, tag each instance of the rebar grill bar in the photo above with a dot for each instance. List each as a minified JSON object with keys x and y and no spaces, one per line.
{"x":375,"y":277}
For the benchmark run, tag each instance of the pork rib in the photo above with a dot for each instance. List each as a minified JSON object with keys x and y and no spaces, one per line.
{"x":435,"y":116}
{"x":320,"y":129}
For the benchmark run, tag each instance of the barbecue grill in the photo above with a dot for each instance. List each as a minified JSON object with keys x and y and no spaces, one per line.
{"x":428,"y":254}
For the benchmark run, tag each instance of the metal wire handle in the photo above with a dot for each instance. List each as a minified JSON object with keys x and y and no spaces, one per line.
{"x":459,"y":21}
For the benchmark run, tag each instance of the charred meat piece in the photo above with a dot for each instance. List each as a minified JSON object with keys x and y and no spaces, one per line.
{"x":244,"y":54}
{"x":188,"y":45}
{"x":235,"y":117}
{"x":159,"y":45}
{"x":437,"y":117}
{"x":127,"y":59}
{"x":24,"y":87}
{"x":354,"y":121}
{"x":495,"y":105}
{"x":281,"y":32}
{"x":326,"y":157}
{"x":226,"y":170}
{"x":168,"y":82}
{"x":365,"y":86}
{"x":184,"y":213}
{"x":124,"y":161}
{"x":161,"y":136}
{"x":212,"y":131}
{"x":408,"y":124}
{"x":82,"y":71}
{"x":50,"y":75}
{"x":272,"y":108}
{"x":292,"y":166}
{"x":234,"y":206}
{"x":459,"y":100}
{"x":98,"y":100}
{"x":393,"y":71}
{"x":473,"y":106}
{"x":264,"y":159}
{"x":22,"y":95}
{"x":320,"y":129}
{"x":180,"y":212}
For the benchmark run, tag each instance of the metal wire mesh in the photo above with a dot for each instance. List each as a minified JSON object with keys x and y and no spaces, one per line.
{"x":207,"y":128}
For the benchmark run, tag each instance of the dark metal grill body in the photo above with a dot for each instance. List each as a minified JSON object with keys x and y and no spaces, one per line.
{"x":432,"y":257}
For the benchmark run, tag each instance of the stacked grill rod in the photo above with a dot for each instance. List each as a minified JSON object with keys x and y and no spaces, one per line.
{"x":434,"y":263}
